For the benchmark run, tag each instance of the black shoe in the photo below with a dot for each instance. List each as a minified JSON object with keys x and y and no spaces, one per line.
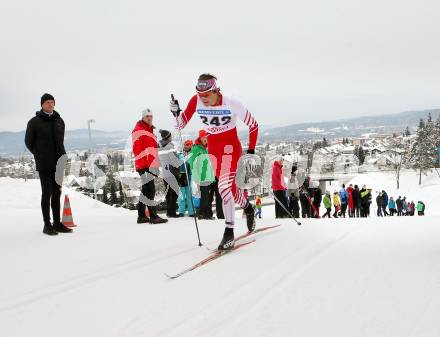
{"x":181,"y":215}
{"x":172,"y":215}
{"x":205,"y":217}
{"x":250,"y":217}
{"x":228,"y":241}
{"x":60,"y":228}
{"x":143,"y":219}
{"x":157,"y":220}
{"x":48,"y":229}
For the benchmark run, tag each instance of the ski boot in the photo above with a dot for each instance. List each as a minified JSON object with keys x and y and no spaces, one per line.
{"x":228,"y":241}
{"x":249,"y":210}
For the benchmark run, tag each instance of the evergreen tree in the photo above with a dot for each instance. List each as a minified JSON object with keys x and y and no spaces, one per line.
{"x":407,"y":133}
{"x":121,"y":195}
{"x":360,"y":154}
{"x":104,"y":195}
{"x":424,"y":150}
{"x":324,"y":142}
{"x":113,"y":198}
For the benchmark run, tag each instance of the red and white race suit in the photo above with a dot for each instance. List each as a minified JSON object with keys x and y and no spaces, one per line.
{"x":224,"y":147}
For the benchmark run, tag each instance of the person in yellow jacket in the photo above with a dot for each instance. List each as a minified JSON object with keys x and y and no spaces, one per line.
{"x":336,"y":203}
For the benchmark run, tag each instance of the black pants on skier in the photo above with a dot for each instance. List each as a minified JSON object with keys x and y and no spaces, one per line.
{"x":148,"y":189}
{"x":50,"y":197}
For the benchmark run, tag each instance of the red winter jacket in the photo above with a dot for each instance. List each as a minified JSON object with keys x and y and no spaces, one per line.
{"x":350,"y":197}
{"x":145,"y":146}
{"x":277,"y":177}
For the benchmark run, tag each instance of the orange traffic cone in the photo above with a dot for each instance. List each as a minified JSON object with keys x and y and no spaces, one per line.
{"x":67,"y":213}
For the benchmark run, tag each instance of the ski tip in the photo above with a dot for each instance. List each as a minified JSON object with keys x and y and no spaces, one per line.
{"x":170,"y":277}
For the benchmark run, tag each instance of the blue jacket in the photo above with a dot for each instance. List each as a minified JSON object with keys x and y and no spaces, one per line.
{"x":343,"y":196}
{"x":385,"y":198}
{"x":392,"y":204}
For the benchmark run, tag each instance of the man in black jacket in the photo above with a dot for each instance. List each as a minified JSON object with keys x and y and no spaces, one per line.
{"x":45,"y":140}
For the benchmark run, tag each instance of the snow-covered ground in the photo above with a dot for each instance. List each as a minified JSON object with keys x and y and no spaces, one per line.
{"x":428,"y":191}
{"x":333,"y":277}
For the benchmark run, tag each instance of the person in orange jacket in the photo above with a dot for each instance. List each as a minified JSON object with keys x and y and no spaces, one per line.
{"x":258,"y":206}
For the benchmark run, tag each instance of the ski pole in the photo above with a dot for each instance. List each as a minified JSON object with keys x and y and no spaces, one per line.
{"x":285,"y":209}
{"x":187,"y":176}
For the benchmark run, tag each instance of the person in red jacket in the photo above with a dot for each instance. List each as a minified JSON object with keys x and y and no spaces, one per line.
{"x":351,"y":207}
{"x":219,"y":114}
{"x":279,"y":189}
{"x":147,"y":164}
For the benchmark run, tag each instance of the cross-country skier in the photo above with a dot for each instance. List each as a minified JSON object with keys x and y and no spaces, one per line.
{"x":219,"y":115}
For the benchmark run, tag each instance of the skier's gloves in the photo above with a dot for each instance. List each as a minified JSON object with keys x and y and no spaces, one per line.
{"x":250,"y":151}
{"x":174,"y":107}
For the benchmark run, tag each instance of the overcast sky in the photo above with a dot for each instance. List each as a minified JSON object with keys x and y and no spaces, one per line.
{"x":287,"y":61}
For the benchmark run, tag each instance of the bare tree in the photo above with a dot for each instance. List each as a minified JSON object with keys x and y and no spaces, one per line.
{"x":400,"y":155}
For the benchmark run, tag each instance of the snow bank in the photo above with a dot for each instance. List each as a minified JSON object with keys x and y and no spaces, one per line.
{"x":330,"y":277}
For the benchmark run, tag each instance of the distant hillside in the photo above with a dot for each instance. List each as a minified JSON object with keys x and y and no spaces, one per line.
{"x":12,"y":143}
{"x":350,"y":127}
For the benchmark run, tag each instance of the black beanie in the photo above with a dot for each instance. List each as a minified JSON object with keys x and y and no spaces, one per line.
{"x":165,"y":134}
{"x":46,"y":97}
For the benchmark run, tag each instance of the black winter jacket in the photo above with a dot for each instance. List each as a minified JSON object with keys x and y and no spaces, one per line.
{"x":45,"y":139}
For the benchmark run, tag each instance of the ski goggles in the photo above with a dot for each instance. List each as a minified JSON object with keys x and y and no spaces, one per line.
{"x":206,"y":85}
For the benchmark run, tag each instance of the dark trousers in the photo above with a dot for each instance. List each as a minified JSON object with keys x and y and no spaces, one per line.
{"x":335,"y":214}
{"x":50,"y":197}
{"x":206,"y":197}
{"x":384,"y":210}
{"x":343,"y":209}
{"x":305,"y":207}
{"x":364,"y":210}
{"x":294,"y":206}
{"x":148,"y":190}
{"x":379,"y":211}
{"x":207,"y":194}
{"x":327,"y":213}
{"x":171,"y":199}
{"x":280,"y":198}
